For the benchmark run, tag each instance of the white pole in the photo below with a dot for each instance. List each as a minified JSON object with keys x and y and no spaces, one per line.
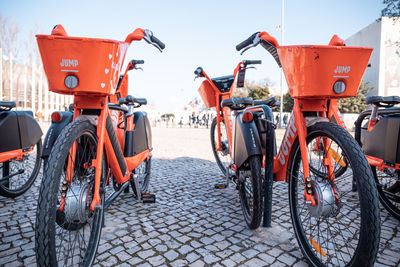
{"x":11,"y":78}
{"x":1,"y":73}
{"x":46,"y":100}
{"x":33,"y":85}
{"x":40,"y":91}
{"x":25,"y":84}
{"x":282,"y":77}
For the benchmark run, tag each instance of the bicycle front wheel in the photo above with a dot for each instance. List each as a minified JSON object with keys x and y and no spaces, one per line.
{"x":222,"y":156}
{"x":67,"y":230}
{"x":343,"y":228}
{"x":17,"y":176}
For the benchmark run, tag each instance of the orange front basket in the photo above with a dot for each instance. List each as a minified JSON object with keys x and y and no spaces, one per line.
{"x":312,"y":71}
{"x":207,"y":93}
{"x":96,"y":63}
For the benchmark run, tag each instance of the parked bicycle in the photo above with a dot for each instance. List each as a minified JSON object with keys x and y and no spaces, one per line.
{"x":106,"y":142}
{"x":241,"y":135}
{"x":317,"y":158}
{"x":379,"y":139}
{"x":20,"y":148}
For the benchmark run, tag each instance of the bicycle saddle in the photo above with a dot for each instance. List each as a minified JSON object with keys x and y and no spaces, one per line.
{"x":383,"y":101}
{"x":272,"y":101}
{"x":7,"y":104}
{"x":236,"y":103}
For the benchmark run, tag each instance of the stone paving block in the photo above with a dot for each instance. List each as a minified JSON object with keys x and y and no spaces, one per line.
{"x":171,"y":255}
{"x":191,"y":257}
{"x":156,"y":260}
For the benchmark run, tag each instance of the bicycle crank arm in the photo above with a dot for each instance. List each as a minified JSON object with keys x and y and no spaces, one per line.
{"x":114,"y":195}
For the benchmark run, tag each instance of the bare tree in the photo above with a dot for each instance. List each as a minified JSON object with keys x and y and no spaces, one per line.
{"x":9,"y":36}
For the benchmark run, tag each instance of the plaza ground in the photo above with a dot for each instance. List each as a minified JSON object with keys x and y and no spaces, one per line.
{"x":191,"y":224}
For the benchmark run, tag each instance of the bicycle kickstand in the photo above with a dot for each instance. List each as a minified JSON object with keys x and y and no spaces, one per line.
{"x":144,"y":198}
{"x":226,"y":184}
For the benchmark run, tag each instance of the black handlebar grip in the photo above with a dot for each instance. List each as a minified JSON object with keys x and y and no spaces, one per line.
{"x":137,"y":61}
{"x":198,"y":71}
{"x":141,"y":101}
{"x":250,"y":62}
{"x":246,"y":42}
{"x":155,"y":40}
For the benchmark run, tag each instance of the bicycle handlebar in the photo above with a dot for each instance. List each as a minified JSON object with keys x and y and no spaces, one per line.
{"x":137,"y":61}
{"x":136,"y":35}
{"x":251,"y":62}
{"x":157,"y":41}
{"x":147,"y":35}
{"x":247,"y":42}
{"x":198,"y":71}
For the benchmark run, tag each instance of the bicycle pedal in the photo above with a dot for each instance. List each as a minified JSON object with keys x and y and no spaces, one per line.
{"x":148,"y":198}
{"x":220,"y":186}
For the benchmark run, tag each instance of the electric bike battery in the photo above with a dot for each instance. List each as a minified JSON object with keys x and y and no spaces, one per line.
{"x":18,"y":130}
{"x":139,"y":139}
{"x":383,"y":140}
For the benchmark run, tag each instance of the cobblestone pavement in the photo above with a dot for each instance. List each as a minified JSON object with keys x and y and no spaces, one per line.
{"x":191,"y":224}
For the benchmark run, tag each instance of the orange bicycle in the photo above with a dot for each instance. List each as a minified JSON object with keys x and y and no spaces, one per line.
{"x":318,"y":158}
{"x":106,"y":142}
{"x":235,"y":138}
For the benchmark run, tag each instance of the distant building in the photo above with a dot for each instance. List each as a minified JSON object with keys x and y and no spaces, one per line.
{"x":383,"y":72}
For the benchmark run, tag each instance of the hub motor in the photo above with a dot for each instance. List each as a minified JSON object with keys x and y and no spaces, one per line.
{"x":324,"y":197}
{"x":77,"y":203}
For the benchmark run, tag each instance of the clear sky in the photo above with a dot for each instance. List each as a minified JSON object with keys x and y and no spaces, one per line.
{"x":196,"y":33}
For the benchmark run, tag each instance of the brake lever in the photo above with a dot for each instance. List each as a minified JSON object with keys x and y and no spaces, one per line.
{"x":256,"y":41}
{"x":251,"y":67}
{"x":138,"y":68}
{"x":147,"y":36}
{"x":156,"y":45}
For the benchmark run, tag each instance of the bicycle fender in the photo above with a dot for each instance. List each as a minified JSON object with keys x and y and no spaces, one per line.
{"x":54,"y":131}
{"x":247,"y":141}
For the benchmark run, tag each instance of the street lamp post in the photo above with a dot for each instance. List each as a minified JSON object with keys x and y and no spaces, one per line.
{"x":282,"y":77}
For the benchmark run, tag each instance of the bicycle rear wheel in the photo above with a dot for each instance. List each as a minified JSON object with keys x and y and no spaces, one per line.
{"x":388,"y":184}
{"x":343,"y":228}
{"x":67,"y":230}
{"x":223,"y":156}
{"x":250,"y":184}
{"x":17,"y":176}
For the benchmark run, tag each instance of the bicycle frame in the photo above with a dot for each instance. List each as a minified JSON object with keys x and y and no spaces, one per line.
{"x":224,"y":114}
{"x":17,"y":154}
{"x":110,"y":136}
{"x":121,"y":167}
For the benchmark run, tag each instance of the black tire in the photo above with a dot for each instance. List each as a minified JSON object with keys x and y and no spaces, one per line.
{"x":388,"y":184}
{"x":20,"y":183}
{"x":223,"y":158}
{"x":347,"y":228}
{"x":58,"y":230}
{"x":144,"y":172}
{"x":250,"y":185}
